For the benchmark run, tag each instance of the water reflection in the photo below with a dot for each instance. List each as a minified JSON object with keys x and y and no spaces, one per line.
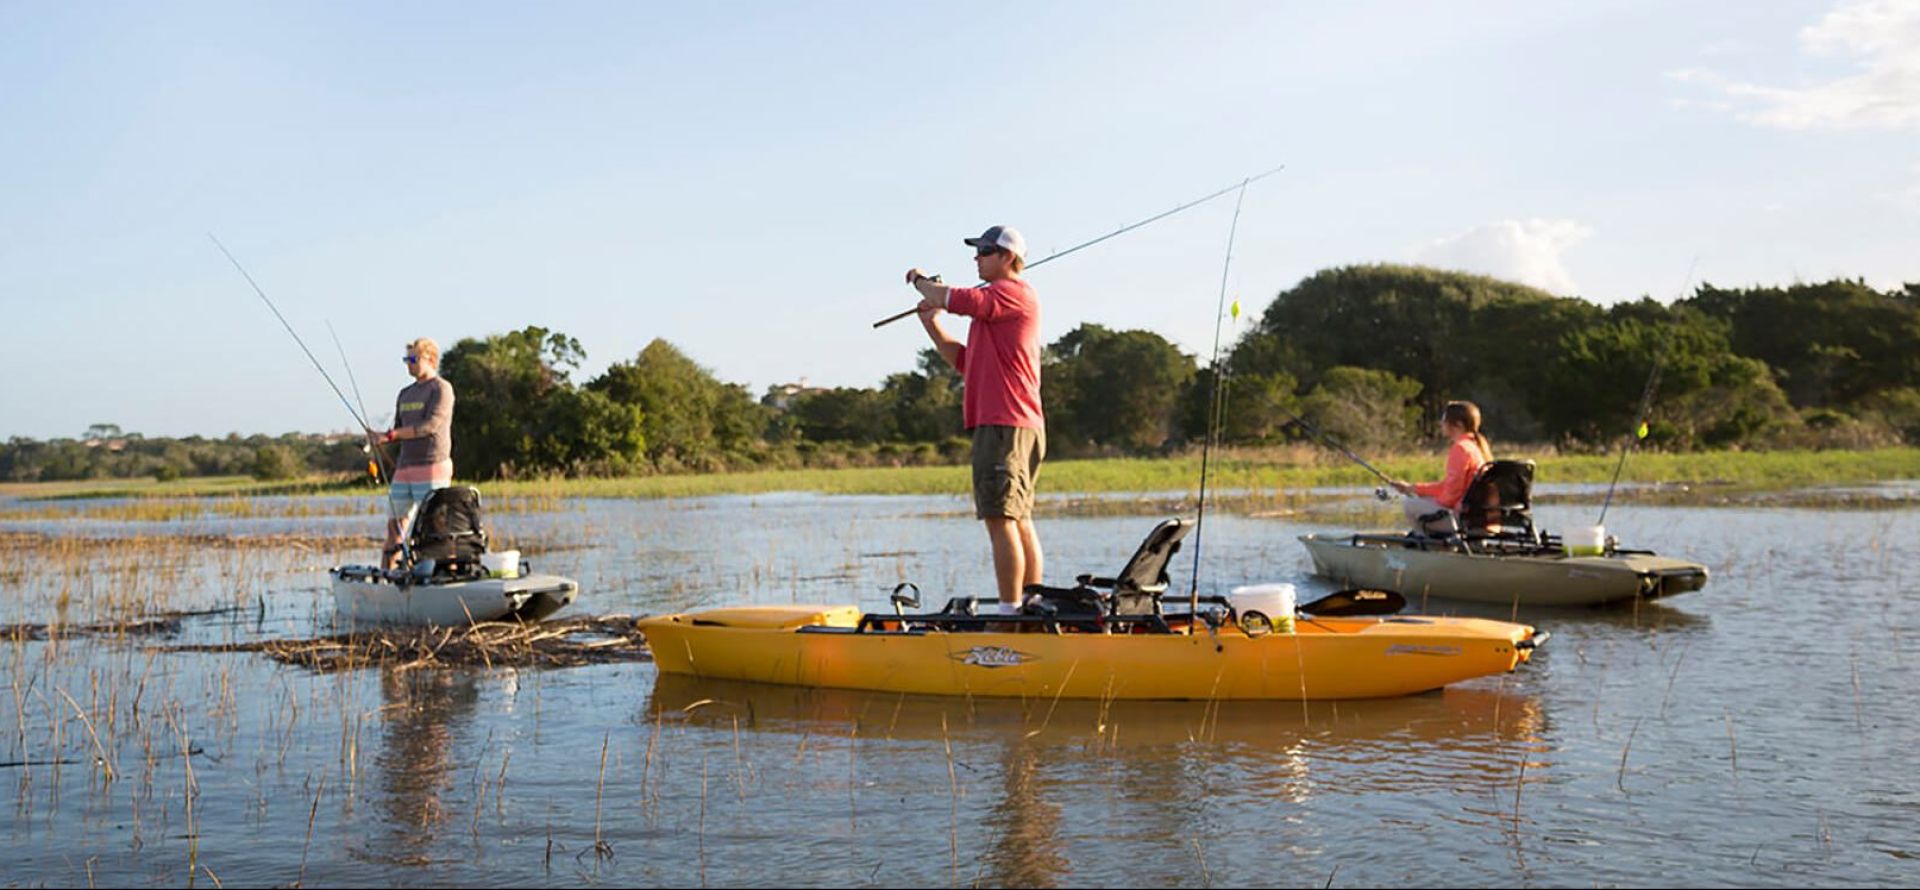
{"x":1470,"y":723}
{"x":1025,"y":823}
{"x":422,"y":711}
{"x":1435,"y":718}
{"x":1634,"y":615}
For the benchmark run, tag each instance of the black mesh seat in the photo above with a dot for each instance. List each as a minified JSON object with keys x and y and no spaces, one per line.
{"x":1500,"y":500}
{"x":449,"y":529}
{"x":1498,"y":505}
{"x":1131,"y":595}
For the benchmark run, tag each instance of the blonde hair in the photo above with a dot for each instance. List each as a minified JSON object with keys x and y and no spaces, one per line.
{"x":426,"y":349}
{"x":1467,"y":416}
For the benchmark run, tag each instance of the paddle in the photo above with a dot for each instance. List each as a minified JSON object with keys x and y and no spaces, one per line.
{"x":1355,"y":603}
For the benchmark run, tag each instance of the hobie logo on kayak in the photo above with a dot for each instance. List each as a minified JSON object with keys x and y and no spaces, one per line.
{"x":1404,"y":649}
{"x":993,"y":656}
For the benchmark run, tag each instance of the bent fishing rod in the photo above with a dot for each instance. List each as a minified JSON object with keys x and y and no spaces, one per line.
{"x":1216,"y":410}
{"x":1117,"y":232}
{"x":374,"y":458}
{"x":296,"y":337}
{"x":1639,"y":430}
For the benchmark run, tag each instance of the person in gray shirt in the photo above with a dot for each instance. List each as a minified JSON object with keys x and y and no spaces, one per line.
{"x":423,"y":425}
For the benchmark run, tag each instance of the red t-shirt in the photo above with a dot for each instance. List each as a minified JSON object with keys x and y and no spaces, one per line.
{"x":1000,"y":365}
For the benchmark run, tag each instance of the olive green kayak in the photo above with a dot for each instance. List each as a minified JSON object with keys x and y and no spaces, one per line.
{"x":1420,"y":567}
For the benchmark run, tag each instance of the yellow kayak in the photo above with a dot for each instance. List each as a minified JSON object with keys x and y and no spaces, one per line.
{"x":1322,"y":658}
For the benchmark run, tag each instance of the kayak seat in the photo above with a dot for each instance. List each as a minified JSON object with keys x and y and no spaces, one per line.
{"x":447,"y":527}
{"x":1132,"y":594}
{"x":1499,"y":501}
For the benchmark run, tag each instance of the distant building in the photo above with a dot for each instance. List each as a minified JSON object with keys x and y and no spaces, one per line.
{"x":780,"y":395}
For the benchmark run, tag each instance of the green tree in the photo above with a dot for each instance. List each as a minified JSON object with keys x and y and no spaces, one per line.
{"x":691,"y":419}
{"x":1705,"y":395}
{"x":1365,"y":409}
{"x":1114,"y":389}
{"x":1255,"y":408}
{"x":844,"y":414}
{"x":1830,"y":344}
{"x":516,"y":412}
{"x":1417,"y":323}
{"x":925,"y":402}
{"x":276,"y":461}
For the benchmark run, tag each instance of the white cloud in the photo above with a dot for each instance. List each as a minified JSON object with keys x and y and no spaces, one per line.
{"x":1906,"y":197}
{"x":1527,"y":251}
{"x":1882,"y":36}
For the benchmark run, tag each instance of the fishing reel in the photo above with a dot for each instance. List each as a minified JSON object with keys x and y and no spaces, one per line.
{"x":1380,"y":494}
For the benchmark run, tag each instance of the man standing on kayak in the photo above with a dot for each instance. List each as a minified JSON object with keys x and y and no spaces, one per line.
{"x":423,"y":425}
{"x":999,"y":369}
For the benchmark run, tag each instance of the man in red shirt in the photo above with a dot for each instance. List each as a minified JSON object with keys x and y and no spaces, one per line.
{"x":999,"y":369}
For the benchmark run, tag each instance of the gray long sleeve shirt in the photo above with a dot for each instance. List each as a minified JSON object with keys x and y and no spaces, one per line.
{"x":428,"y":405}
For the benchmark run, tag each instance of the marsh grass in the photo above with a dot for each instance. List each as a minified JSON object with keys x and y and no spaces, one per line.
{"x":1268,"y":470}
{"x":173,"y":509}
{"x":164,"y":623}
{"x":567,"y":643}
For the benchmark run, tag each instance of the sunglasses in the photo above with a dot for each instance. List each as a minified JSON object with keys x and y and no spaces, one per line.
{"x":986,"y":252}
{"x":410,"y":359}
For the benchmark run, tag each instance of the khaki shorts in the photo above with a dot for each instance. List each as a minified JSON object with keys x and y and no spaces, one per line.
{"x":1006,"y":461}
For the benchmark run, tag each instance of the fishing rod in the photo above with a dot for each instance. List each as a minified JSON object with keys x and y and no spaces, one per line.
{"x":1639,"y":430}
{"x":375,"y":454}
{"x":1328,"y":441}
{"x":1121,"y":231}
{"x":1214,"y":412}
{"x":1634,"y":435}
{"x":296,"y":337}
{"x":349,"y":366}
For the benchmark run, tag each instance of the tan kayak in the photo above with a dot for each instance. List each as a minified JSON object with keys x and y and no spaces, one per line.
{"x":1419,"y":567}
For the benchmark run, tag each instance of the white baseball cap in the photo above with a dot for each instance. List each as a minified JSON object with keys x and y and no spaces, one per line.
{"x":1005,"y":237}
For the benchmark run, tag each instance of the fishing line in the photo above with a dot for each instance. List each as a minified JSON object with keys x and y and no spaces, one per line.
{"x":1242,"y":186}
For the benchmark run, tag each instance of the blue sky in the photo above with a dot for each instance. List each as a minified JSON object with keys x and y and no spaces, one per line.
{"x":748,"y":181}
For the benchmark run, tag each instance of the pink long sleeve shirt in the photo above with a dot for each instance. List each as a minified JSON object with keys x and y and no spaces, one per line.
{"x":1463,"y":461}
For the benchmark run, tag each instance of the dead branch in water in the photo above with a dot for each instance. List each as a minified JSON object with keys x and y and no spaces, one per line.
{"x":605,"y":639}
{"x":160,"y":623}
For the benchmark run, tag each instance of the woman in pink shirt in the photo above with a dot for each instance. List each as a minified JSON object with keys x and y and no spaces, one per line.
{"x":1469,"y":451}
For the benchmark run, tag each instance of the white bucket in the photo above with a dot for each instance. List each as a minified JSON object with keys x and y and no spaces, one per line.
{"x":1272,"y":602}
{"x":1587,"y":541}
{"x":501,"y":563}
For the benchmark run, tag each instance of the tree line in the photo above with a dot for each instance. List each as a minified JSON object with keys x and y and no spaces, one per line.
{"x":1367,"y":354}
{"x":104,"y":452}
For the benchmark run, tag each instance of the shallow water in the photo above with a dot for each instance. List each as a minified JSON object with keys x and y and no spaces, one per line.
{"x":1756,"y":733}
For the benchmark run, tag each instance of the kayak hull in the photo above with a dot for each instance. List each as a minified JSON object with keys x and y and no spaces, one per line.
{"x":362,"y":596}
{"x":1387,"y":561}
{"x":1326,"y":658}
